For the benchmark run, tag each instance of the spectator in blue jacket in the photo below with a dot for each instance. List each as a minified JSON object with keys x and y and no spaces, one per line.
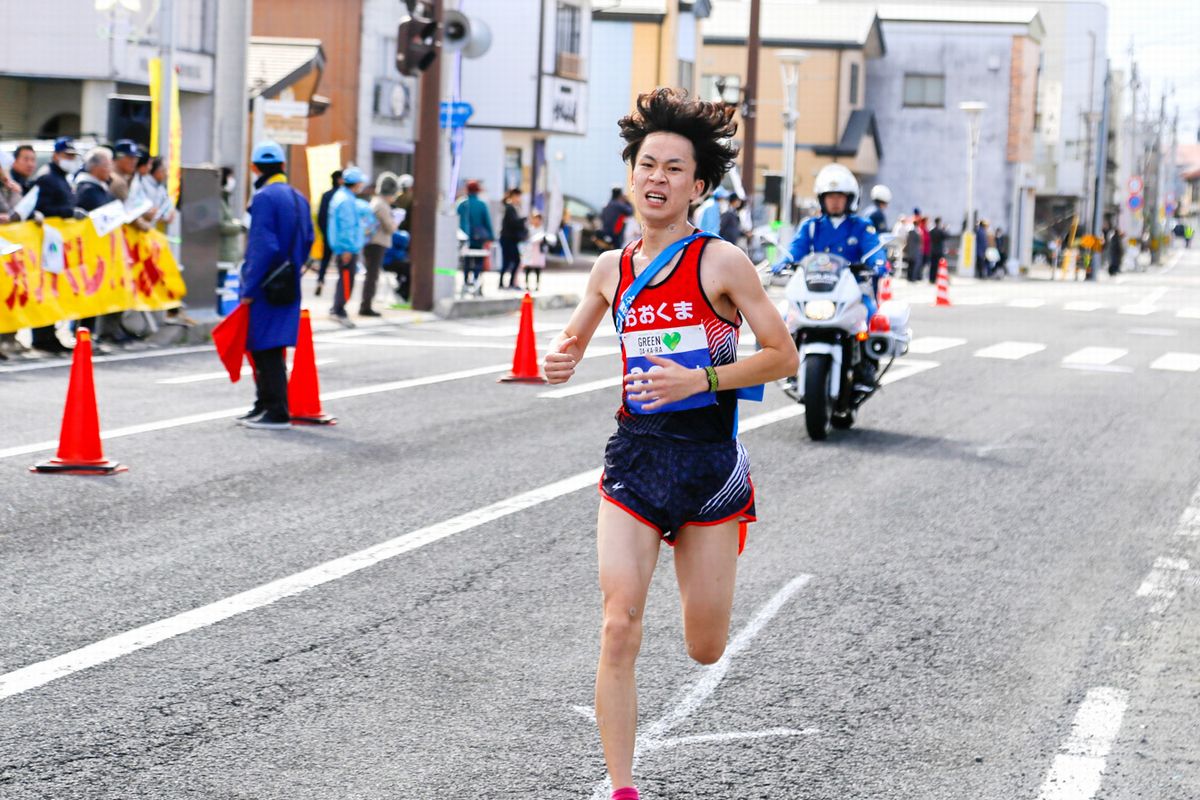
{"x":475,"y":221}
{"x":346,"y":238}
{"x":280,"y":232}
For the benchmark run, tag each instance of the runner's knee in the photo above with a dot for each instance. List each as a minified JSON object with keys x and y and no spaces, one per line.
{"x":621,"y":634}
{"x":705,"y":650}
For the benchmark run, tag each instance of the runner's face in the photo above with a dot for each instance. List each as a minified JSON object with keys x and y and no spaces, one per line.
{"x":664,"y":178}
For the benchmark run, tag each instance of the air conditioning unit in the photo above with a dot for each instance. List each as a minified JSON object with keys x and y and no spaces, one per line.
{"x":393,"y":99}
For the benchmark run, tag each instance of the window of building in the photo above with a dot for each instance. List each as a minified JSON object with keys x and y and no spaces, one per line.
{"x":710,"y":88}
{"x":924,"y":91}
{"x":854,"y":84}
{"x":569,"y":40}
{"x":512,"y":168}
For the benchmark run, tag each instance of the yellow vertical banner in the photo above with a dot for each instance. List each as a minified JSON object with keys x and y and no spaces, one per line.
{"x":175,"y":159}
{"x":323,"y":161}
{"x":155,"y":102}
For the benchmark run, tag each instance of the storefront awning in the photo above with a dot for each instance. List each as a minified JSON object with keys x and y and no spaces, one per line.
{"x":276,"y":63}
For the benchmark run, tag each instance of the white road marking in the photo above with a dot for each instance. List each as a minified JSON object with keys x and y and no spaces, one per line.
{"x":1189,"y":520}
{"x":708,"y":738}
{"x":114,"y":647}
{"x":1082,"y":305}
{"x":212,"y":376}
{"x":1079,"y":768}
{"x":1137,"y":310}
{"x":1188,"y":313}
{"x":924,"y":345}
{"x":710,"y":678}
{"x":1154,"y":331}
{"x":1177,"y":362}
{"x":391,"y":341}
{"x":571,"y":390}
{"x":1094,"y":356}
{"x":1010,"y":351}
{"x":228,"y":413}
{"x":1027,"y":302}
{"x":1163,"y":582}
{"x":66,"y":362}
{"x":973,"y":301}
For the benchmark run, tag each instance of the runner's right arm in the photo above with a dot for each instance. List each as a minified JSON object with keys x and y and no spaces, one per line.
{"x":568,"y":347}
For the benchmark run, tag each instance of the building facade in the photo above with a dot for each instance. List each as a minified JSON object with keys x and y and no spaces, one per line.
{"x":638,"y":45}
{"x":835,"y":123}
{"x":939,"y":56}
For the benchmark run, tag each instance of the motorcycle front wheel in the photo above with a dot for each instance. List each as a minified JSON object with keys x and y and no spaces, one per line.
{"x":818,"y":405}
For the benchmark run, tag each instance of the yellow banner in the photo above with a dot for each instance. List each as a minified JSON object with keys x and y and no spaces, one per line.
{"x":175,"y":157}
{"x":125,"y":270}
{"x":155,"y":104}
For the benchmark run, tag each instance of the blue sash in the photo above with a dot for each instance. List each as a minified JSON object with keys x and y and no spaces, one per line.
{"x":754,"y":393}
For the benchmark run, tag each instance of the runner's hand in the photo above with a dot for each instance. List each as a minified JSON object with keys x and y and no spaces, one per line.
{"x":559,"y":365}
{"x":669,"y":382}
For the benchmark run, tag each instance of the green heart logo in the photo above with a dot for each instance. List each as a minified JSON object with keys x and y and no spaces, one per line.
{"x":671,"y":340}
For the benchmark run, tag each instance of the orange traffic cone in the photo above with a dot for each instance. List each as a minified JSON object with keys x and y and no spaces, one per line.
{"x":525,"y":360}
{"x":885,"y":288}
{"x":304,"y":389}
{"x":79,"y":450}
{"x":943,"y":284}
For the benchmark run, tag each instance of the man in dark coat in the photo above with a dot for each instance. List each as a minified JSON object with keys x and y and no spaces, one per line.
{"x":323,"y":226}
{"x":937,"y":247}
{"x":512,"y":232}
{"x":92,"y":191}
{"x":56,"y":199}
{"x":280,"y":232}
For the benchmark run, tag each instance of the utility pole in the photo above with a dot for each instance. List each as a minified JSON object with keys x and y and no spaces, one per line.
{"x":426,"y":184}
{"x":1101,"y":158}
{"x":1154,"y":187}
{"x":750,"y":101}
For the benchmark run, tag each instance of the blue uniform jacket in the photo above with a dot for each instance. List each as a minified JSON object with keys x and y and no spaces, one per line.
{"x":852,"y":240}
{"x":345,"y":225}
{"x":280,"y":228}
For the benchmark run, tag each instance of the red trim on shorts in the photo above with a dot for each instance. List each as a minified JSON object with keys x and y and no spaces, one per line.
{"x":605,"y":496}
{"x":743,"y":518}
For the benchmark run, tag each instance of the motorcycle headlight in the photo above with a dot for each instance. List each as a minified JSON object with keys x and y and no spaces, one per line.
{"x":819,"y":309}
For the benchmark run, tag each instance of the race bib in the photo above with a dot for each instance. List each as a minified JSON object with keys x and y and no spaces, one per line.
{"x":687,"y":346}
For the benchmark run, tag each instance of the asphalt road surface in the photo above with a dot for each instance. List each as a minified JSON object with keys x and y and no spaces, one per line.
{"x":986,"y":589}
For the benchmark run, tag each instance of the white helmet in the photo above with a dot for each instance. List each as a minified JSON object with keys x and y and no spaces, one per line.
{"x":881,"y":194}
{"x":405,"y":181}
{"x":836,"y":178}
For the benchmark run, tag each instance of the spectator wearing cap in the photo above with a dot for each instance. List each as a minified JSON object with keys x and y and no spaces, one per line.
{"x":280,"y":232}
{"x":404,"y":201}
{"x":475,"y":221}
{"x":346,"y":237}
{"x":335,"y":181}
{"x":386,"y":189}
{"x":56,"y":198}
{"x":20,"y":182}
{"x":125,"y":158}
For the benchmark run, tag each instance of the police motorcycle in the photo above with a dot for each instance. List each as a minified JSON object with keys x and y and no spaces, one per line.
{"x":827,"y":319}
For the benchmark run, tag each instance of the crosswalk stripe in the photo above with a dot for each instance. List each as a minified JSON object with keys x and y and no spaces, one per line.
{"x":1027,"y":302}
{"x":1177,"y":362}
{"x":1188,"y":313}
{"x":1095,"y":356}
{"x":1137,"y":310}
{"x":1010,"y":351}
{"x":933,"y":344}
{"x":1082,"y":305}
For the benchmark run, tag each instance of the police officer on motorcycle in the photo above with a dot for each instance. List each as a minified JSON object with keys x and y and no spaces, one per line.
{"x":837,"y":230}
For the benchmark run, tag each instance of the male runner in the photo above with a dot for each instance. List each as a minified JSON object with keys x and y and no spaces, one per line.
{"x":674,"y":470}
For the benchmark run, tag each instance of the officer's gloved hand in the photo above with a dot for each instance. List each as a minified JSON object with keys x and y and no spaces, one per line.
{"x":79,"y":213}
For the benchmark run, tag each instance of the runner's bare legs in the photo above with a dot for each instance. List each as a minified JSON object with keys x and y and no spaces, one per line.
{"x":706,"y":568}
{"x":628,"y":551}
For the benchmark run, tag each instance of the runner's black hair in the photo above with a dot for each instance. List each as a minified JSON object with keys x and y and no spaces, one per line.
{"x":708,"y":126}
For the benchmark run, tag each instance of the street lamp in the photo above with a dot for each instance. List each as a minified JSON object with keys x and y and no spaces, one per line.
{"x":973,"y":109}
{"x":789,"y":66}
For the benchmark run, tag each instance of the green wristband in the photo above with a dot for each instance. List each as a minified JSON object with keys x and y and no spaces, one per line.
{"x":711,"y":372}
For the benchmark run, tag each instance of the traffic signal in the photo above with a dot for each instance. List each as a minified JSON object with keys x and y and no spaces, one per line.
{"x":416,"y":44}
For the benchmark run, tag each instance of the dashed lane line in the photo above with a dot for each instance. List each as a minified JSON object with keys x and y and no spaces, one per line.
{"x":1078,"y":769}
{"x":925,"y":345}
{"x":114,"y":647}
{"x":1177,"y":362}
{"x":200,"y":377}
{"x":1094,"y":356}
{"x":1082,"y":305}
{"x":1010,"y":351}
{"x":1188,"y":313}
{"x":1164,"y":581}
{"x":1027,"y":302}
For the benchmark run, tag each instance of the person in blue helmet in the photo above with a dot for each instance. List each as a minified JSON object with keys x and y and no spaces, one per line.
{"x":281,"y":232}
{"x":837,"y":230}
